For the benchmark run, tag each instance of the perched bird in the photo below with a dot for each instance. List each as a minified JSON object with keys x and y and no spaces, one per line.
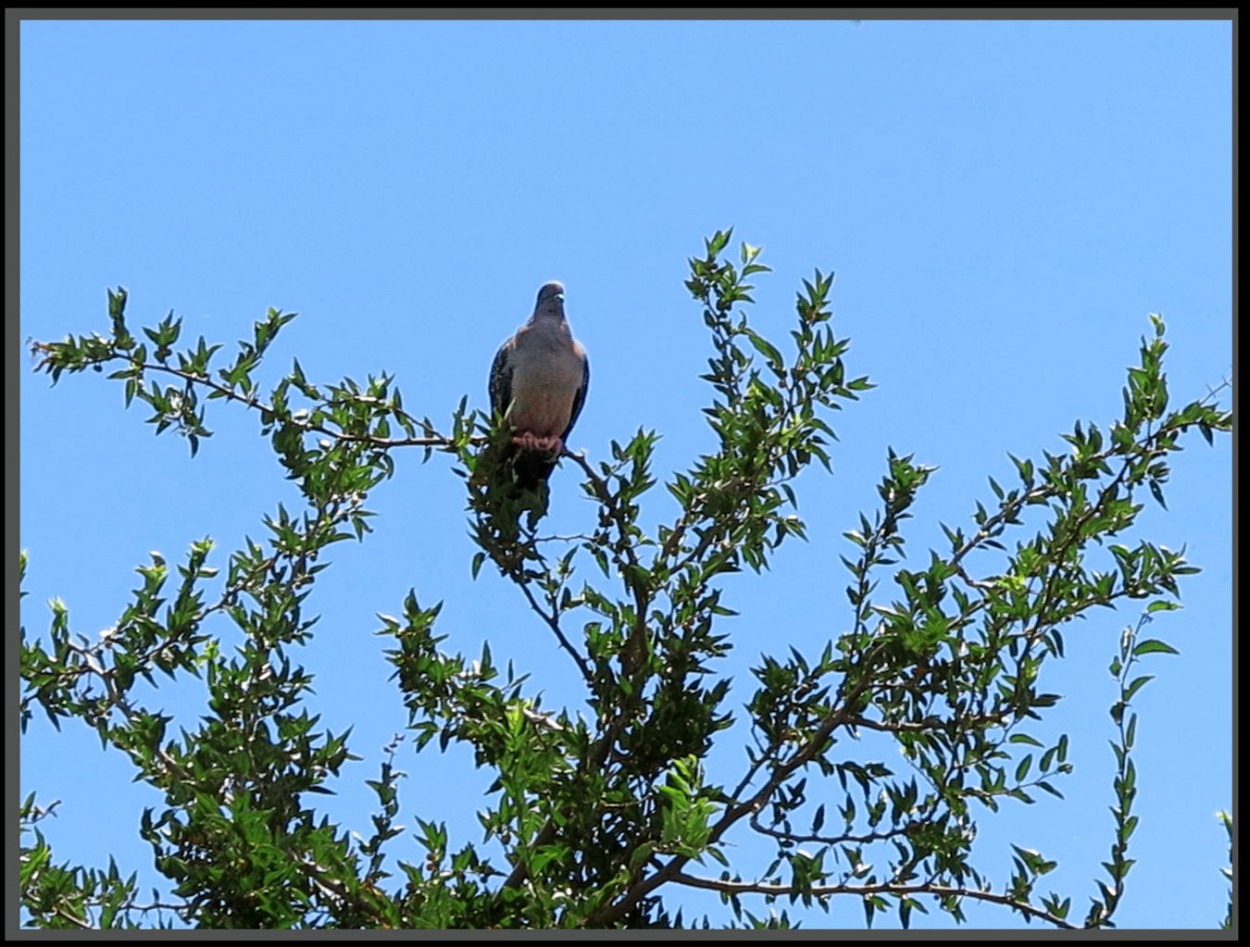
{"x":538,"y":383}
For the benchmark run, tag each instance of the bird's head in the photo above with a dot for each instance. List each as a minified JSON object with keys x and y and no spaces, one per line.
{"x":550,"y":300}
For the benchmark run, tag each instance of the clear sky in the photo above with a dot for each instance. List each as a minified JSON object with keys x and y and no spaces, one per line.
{"x":1003,"y":204}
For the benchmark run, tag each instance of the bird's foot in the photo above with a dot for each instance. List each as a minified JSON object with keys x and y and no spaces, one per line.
{"x":528,"y":442}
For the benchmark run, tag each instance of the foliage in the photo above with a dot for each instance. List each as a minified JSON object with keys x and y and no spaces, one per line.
{"x":598,"y":817}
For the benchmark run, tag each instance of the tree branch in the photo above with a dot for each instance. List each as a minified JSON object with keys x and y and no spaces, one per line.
{"x":823,"y":891}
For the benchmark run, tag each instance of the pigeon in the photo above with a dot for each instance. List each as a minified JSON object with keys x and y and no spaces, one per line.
{"x":538,"y":383}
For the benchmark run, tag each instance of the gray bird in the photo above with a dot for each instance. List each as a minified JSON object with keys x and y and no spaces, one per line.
{"x":538,"y":383}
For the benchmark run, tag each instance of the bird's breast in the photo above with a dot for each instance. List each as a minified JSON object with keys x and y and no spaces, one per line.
{"x":544,"y":386}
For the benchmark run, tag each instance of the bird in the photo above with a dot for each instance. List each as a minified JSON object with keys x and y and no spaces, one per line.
{"x":538,"y":383}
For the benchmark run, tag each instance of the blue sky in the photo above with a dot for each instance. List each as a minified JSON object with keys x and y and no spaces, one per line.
{"x":1003,"y":204}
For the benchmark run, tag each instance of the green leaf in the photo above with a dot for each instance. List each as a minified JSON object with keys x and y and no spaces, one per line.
{"x":1153,"y":646}
{"x":1024,"y":738}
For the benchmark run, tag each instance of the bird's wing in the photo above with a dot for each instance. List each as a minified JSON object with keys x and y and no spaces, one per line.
{"x":579,"y":399}
{"x":500,"y":384}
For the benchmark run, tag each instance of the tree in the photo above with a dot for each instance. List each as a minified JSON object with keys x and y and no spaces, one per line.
{"x":598,"y":819}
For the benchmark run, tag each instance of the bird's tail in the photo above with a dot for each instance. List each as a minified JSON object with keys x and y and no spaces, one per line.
{"x":531,"y":470}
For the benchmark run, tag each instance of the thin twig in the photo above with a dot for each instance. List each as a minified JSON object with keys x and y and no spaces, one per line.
{"x":554,"y":623}
{"x":822,"y":891}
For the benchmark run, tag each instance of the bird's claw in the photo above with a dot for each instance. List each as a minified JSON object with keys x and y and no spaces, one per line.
{"x":528,"y":442}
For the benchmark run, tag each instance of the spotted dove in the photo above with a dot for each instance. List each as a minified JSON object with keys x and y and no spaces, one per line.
{"x":538,"y":383}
